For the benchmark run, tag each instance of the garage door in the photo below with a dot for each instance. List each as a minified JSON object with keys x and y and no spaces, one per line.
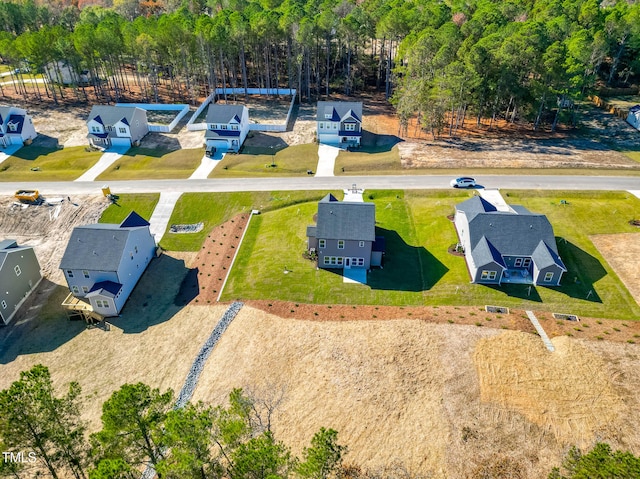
{"x":120,"y":142}
{"x":217,"y":145}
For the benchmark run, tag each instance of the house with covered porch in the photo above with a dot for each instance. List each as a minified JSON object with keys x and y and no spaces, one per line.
{"x":16,"y":127}
{"x":227,"y":128}
{"x":339,"y":123}
{"x":111,"y":126}
{"x":507,"y":245}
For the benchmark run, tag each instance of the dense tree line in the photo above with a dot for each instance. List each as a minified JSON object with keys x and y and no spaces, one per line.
{"x":141,"y":427}
{"x":439,"y":61}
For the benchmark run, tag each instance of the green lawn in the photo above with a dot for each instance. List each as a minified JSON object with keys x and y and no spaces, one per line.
{"x":634,"y":155}
{"x":147,"y":163}
{"x":216,"y":208}
{"x":290,"y":161}
{"x":418,"y":270}
{"x":54,"y":164}
{"x":141,"y":203}
{"x":369,"y":161}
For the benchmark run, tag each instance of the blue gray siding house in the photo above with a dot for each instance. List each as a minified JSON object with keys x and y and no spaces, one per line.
{"x":515,"y":246}
{"x":19,"y":276}
{"x":345,"y":235}
{"x":339,"y":123}
{"x":103,"y":262}
{"x":16,"y":127}
{"x":116,"y":126}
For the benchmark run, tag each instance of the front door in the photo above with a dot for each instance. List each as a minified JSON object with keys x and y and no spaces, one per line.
{"x":347,"y":263}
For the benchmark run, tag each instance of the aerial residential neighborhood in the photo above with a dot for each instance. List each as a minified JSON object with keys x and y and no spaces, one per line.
{"x":339,"y":239}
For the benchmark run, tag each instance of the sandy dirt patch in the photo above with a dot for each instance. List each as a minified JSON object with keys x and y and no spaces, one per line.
{"x":39,"y":227}
{"x":622,"y":252}
{"x":410,"y":392}
{"x":569,"y":392}
{"x":267,"y":110}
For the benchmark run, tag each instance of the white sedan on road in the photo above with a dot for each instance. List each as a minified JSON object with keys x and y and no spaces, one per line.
{"x":464,"y":182}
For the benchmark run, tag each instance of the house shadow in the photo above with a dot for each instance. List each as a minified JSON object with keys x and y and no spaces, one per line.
{"x":405,"y":267}
{"x":258,"y":143}
{"x":375,"y":143}
{"x":41,"y":324}
{"x":33,"y":152}
{"x":158,"y":296}
{"x":46,"y":141}
{"x":583,"y":270}
{"x":155,"y":145}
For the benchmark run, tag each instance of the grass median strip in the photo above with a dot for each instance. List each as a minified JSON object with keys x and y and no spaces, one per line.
{"x":147,"y":163}
{"x":290,"y":161}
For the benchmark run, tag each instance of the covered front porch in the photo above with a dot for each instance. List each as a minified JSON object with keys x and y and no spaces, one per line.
{"x":516,"y":276}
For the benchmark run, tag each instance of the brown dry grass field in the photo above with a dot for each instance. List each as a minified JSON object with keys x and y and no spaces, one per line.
{"x":442,"y":400}
{"x":622,"y":252}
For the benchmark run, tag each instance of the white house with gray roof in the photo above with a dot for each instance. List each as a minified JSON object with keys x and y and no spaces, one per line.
{"x":339,"y":123}
{"x":103,"y":262}
{"x":16,"y":126}
{"x":514,"y":246}
{"x":227,"y":127}
{"x":345,"y":235}
{"x":19,"y":276}
{"x":116,"y":126}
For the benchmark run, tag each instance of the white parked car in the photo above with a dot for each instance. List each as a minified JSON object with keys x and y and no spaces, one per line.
{"x":464,"y":182}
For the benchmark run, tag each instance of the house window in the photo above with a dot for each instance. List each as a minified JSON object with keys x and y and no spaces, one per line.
{"x":75,"y":289}
{"x":321,"y":125}
{"x":518,"y":263}
{"x":109,"y":128}
{"x":327,"y":260}
{"x":69,"y":273}
{"x":327,"y":116}
{"x":122,"y":130}
{"x":85,"y":289}
{"x":335,"y":126}
{"x":361,"y":244}
{"x":137,"y":122}
{"x":340,"y":244}
{"x":135,"y":248}
{"x":234,"y":142}
{"x":131,"y":255}
{"x":527,"y":262}
{"x":350,"y":127}
{"x":95,"y":129}
{"x":212,"y":126}
{"x":490,"y":275}
{"x":4,"y":304}
{"x":98,"y":303}
{"x":12,"y":127}
{"x":17,"y":270}
{"x":548,"y":277}
{"x":340,"y":259}
{"x":234,"y":127}
{"x":85,"y":273}
{"x":223,"y":127}
{"x":322,"y":243}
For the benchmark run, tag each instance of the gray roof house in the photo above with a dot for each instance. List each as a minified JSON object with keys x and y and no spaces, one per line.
{"x":103,"y":262}
{"x":339,"y":123}
{"x":227,"y":127}
{"x":122,"y":126}
{"x":345,"y":235}
{"x":633,"y":118}
{"x":16,"y":127}
{"x":19,"y":276}
{"x":514,"y":246}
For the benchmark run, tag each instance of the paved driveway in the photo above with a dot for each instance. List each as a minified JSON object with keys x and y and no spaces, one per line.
{"x":162,"y":213}
{"x":207,"y":164}
{"x":108,"y":158}
{"x":326,"y":160}
{"x":8,"y":151}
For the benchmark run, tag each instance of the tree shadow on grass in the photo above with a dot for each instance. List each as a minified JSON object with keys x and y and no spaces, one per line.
{"x":258,"y":143}
{"x":156,"y":298}
{"x":583,"y":270}
{"x":405,"y":267}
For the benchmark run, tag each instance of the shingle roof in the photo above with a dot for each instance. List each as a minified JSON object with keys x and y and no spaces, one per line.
{"x":544,"y":256}
{"x":224,"y":113}
{"x":105,"y":288}
{"x":133,"y":220}
{"x":346,"y":220}
{"x":110,"y":115}
{"x":100,"y":246}
{"x":634,"y":109}
{"x":338,"y":110}
{"x":10,"y":246}
{"x":484,"y":253}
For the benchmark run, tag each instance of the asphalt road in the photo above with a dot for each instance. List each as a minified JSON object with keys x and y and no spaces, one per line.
{"x":69,"y":188}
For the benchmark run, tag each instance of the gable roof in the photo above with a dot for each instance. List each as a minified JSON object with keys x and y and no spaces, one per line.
{"x":100,"y":246}
{"x":12,"y":114}
{"x":224,"y":113}
{"x":346,"y":220}
{"x":109,"y":115}
{"x":515,"y":233}
{"x":634,"y":109}
{"x":484,"y":253}
{"x":10,"y":246}
{"x":105,"y":288}
{"x":339,"y":110}
{"x":17,"y":121}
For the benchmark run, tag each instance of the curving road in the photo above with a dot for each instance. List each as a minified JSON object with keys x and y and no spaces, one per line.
{"x":554,"y":182}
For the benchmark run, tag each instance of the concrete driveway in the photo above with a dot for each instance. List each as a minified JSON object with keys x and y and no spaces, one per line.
{"x":162,"y":213}
{"x":207,"y":165}
{"x":108,"y":158}
{"x":326,"y":160}
{"x":5,"y":153}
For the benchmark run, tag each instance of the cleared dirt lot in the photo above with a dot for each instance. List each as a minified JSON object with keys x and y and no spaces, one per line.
{"x":622,"y":252}
{"x":442,"y":400}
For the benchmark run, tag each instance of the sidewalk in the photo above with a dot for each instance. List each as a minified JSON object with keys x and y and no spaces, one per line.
{"x":162,"y":213}
{"x":107,"y":159}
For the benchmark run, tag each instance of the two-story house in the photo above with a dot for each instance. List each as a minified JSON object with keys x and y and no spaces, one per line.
{"x":345,"y":235}
{"x":19,"y":276}
{"x":339,"y":123}
{"x":103,"y":262}
{"x":227,"y":128}
{"x":116,"y":126}
{"x":16,"y":127}
{"x":507,"y":246}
